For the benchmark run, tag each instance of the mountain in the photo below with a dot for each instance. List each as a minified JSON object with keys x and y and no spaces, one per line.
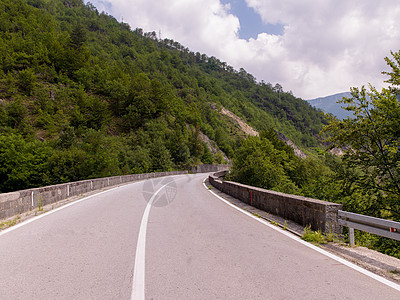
{"x":84,"y":96}
{"x":329,"y":104}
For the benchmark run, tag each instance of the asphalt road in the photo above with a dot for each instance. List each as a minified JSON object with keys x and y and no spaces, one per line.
{"x":168,"y":238}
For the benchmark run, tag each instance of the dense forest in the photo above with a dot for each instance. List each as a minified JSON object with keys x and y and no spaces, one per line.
{"x":84,"y":96}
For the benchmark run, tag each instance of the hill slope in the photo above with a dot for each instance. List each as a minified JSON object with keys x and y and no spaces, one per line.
{"x":329,"y":105}
{"x":84,"y":96}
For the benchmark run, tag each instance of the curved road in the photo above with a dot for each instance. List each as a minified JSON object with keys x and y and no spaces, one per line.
{"x":168,"y":238}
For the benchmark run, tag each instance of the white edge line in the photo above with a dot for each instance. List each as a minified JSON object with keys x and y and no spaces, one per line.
{"x":297,"y":239}
{"x":55,"y":210}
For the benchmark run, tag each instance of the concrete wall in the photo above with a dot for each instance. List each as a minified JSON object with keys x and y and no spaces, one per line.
{"x":320,"y":215}
{"x":19,"y":202}
{"x":208,"y":168}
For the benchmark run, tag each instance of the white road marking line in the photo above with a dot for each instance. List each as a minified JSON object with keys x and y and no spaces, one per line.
{"x":53,"y":211}
{"x":299,"y":240}
{"x":65,"y":206}
{"x":138,"y":285}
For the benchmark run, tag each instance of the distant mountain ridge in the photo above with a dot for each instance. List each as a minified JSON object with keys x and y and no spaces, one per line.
{"x":329,"y":105}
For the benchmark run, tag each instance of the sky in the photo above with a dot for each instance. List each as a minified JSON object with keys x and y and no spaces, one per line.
{"x":312,"y":48}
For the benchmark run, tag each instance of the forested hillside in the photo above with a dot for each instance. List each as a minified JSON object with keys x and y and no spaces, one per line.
{"x":83,"y":96}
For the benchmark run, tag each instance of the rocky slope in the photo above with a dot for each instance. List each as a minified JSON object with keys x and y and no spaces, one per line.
{"x":248,"y":130}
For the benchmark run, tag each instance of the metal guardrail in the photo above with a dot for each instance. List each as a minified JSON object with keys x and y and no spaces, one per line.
{"x":381,"y":227}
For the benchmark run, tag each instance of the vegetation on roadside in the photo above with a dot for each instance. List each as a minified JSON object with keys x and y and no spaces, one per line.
{"x":8,"y":223}
{"x":366,"y":179}
{"x":317,"y":237}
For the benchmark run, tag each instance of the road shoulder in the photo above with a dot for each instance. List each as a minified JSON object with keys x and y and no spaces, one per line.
{"x":373,"y":261}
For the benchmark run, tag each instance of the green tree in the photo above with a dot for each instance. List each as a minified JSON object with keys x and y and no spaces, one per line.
{"x":27,"y":80}
{"x":258,"y":163}
{"x":78,"y":36}
{"x":372,"y":140}
{"x":22,"y":163}
{"x":207,"y":157}
{"x":16,"y":112}
{"x":160,"y":156}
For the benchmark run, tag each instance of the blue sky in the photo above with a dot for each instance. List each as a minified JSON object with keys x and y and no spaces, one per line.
{"x":312,"y":48}
{"x":251,"y":23}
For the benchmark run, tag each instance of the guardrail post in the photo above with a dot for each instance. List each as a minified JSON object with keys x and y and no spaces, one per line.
{"x":382,"y":227}
{"x":351,"y":236}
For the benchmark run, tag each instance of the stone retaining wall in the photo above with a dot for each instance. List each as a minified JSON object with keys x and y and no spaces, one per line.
{"x":19,"y":202}
{"x":320,"y":215}
{"x":208,"y":168}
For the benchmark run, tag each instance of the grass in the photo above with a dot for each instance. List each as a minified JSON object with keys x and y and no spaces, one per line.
{"x":9,"y":223}
{"x":330,"y":237}
{"x":315,"y":237}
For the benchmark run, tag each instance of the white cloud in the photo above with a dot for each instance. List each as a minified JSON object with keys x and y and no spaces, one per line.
{"x":332,"y":45}
{"x":327,"y":46}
